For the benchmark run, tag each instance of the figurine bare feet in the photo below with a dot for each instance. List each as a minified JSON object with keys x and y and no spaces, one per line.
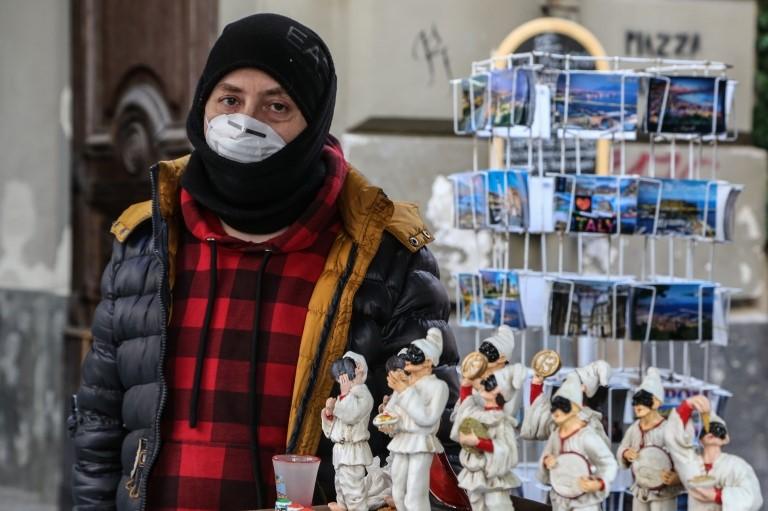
{"x":335,"y":506}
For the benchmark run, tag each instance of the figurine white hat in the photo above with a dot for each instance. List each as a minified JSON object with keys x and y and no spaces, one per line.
{"x":359,"y":360}
{"x":431,"y":345}
{"x":571,"y":390}
{"x":713,"y":417}
{"x":652,"y":384}
{"x":594,"y":375}
{"x":503,"y":340}
{"x":509,"y":378}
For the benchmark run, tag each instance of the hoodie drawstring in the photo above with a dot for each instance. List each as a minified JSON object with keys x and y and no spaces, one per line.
{"x":254,"y":404}
{"x":203,"y":345}
{"x":201,"y":353}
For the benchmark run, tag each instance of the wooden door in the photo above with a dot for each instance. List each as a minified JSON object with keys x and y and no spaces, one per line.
{"x":135,"y":65}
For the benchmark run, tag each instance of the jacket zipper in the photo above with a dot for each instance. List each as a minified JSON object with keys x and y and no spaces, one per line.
{"x":156,"y":219}
{"x":135,"y":479}
{"x":325,"y":334}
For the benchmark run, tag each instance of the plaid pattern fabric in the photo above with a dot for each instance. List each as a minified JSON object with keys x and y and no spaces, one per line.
{"x":209,"y":466}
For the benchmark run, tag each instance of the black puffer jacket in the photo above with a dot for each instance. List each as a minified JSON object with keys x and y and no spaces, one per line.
{"x":123,"y":392}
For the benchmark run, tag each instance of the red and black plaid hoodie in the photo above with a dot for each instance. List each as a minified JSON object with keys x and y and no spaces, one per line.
{"x":238,"y":316}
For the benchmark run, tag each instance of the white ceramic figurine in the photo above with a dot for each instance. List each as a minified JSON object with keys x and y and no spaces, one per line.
{"x":576,"y":462}
{"x":715,"y":480}
{"x":643,"y":450}
{"x":345,"y":422}
{"x":417,"y":404}
{"x":487,"y":436}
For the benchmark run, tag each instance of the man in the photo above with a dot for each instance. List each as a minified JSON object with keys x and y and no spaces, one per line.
{"x":731,"y":482}
{"x":649,"y":431}
{"x":260,"y":259}
{"x":418,"y":404}
{"x":574,"y":435}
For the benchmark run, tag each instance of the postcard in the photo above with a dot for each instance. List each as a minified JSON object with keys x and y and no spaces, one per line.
{"x":480,"y":99}
{"x":597,"y":105}
{"x":464,"y":208}
{"x":595,"y":204}
{"x":598,"y":307}
{"x":560,"y":299}
{"x":648,"y":202}
{"x":563,"y":199}
{"x":479,"y":198}
{"x":541,"y":190}
{"x":462,"y":108}
{"x":469,"y":311}
{"x":500,"y":295}
{"x":534,"y":296}
{"x":694,"y":105}
{"x":674,"y":311}
{"x":688,"y":208}
{"x":507,"y":199}
{"x":512,"y":97}
{"x":727,"y":195}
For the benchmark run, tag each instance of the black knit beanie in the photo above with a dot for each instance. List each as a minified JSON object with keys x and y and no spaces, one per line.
{"x":262,"y":197}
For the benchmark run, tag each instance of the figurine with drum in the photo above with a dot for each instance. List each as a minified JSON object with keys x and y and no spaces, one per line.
{"x":576,"y":462}
{"x":643,"y":450}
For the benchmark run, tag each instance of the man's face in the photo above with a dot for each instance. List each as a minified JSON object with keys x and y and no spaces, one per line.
{"x":256,"y":94}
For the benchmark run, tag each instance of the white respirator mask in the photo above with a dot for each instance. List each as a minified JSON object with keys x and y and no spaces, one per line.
{"x":242,"y":138}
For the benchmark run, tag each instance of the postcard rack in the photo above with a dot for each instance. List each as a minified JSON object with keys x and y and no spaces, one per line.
{"x":592,"y":223}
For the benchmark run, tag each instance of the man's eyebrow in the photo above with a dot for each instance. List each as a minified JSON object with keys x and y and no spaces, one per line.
{"x":228,"y":87}
{"x":275,"y":91}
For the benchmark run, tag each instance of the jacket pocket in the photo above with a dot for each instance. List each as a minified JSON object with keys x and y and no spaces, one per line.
{"x":133,"y":484}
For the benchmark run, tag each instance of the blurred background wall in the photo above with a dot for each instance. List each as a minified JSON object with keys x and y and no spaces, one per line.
{"x":93,"y":91}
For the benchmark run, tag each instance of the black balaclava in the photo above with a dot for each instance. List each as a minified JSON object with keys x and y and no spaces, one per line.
{"x":265,"y":196}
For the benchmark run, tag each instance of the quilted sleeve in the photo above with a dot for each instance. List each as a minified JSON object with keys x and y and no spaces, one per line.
{"x":96,"y":422}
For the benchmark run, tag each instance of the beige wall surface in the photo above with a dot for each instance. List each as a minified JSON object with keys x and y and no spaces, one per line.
{"x":380,"y":48}
{"x":34,"y":143}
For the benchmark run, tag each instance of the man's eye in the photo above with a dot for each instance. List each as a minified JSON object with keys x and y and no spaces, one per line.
{"x":229,"y":101}
{"x":278,"y":107}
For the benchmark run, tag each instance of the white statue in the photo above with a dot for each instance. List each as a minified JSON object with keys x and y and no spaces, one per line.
{"x":643,"y":449}
{"x":489,"y":446}
{"x":537,"y":420}
{"x":498,"y":350}
{"x":417,"y":405}
{"x":576,"y":461}
{"x":345,"y":423}
{"x":715,"y":480}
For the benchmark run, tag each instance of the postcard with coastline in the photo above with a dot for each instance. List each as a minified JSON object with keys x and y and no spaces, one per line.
{"x":464,"y":216}
{"x":682,"y":311}
{"x":469,"y":311}
{"x":693,"y":102}
{"x":500,"y":294}
{"x":512,"y":97}
{"x":599,"y":105}
{"x":648,"y":202}
{"x":684,"y":205}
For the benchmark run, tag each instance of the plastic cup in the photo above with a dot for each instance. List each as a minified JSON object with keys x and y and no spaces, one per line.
{"x":297,"y":474}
